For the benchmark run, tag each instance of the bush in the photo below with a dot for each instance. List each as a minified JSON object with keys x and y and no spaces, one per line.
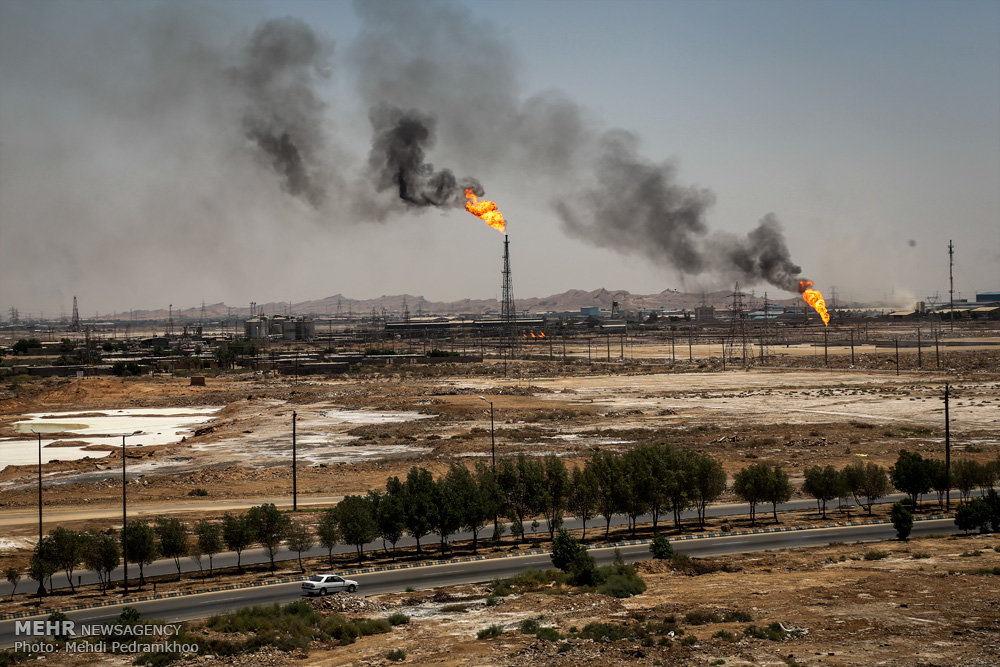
{"x":565,"y":550}
{"x":454,"y":608}
{"x":396,"y":655}
{"x":701,"y":617}
{"x":548,"y":634}
{"x":902,"y":520}
{"x":490,"y":631}
{"x":874,"y":554}
{"x":529,"y":626}
{"x":398,"y":618}
{"x":607,"y":632}
{"x":660,"y":548}
{"x":772,"y":632}
{"x":737,"y":616}
{"x":725,"y":636}
{"x":198,"y":492}
{"x":620,"y":581}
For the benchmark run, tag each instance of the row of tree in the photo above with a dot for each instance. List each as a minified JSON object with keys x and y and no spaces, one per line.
{"x":650,"y":479}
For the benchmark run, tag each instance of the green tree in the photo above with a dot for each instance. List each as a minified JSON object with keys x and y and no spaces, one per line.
{"x":555,"y":491}
{"x":911,"y":474}
{"x":708,"y":483}
{"x":418,"y":498}
{"x":940,"y":481}
{"x":445,"y":513}
{"x":328,"y":531}
{"x":100,"y":554}
{"x":824,"y":483}
{"x":173,"y":537}
{"x":140,"y":546}
{"x":677,"y":484}
{"x":41,"y":566}
{"x":238,"y":534}
{"x":661,"y":548}
{"x":868,"y":481}
{"x":390,"y":513}
{"x":208,"y":537}
{"x":67,"y":551}
{"x":583,"y":495}
{"x":470,"y":500}
{"x":13,"y":577}
{"x":492,"y":498}
{"x":638,"y":484}
{"x":270,"y":525}
{"x":607,"y":470}
{"x":565,"y":550}
{"x":750,"y":485}
{"x":972,"y":515}
{"x":902,"y":520}
{"x":779,"y":489}
{"x":965,"y":475}
{"x":300,"y":539}
{"x":356,"y":522}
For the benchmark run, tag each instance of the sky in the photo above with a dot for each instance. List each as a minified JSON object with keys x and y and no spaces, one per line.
{"x":155,"y":153}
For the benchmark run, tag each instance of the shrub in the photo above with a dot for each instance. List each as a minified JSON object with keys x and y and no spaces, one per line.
{"x":620,"y":581}
{"x":398,"y":618}
{"x":608,"y":632}
{"x":490,"y":631}
{"x":737,"y":616}
{"x":529,"y":626}
{"x":725,"y":636}
{"x":875,"y":554}
{"x":454,"y":608}
{"x":660,"y":548}
{"x":396,"y":655}
{"x":772,"y":632}
{"x":548,"y":634}
{"x":690,"y":640}
{"x":491,"y":600}
{"x":701,"y":617}
{"x":902,"y":520}
{"x":197,"y":492}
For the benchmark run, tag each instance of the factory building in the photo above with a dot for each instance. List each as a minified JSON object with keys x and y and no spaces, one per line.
{"x":279,"y":327}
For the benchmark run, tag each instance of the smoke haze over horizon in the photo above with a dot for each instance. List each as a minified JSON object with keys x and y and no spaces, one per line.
{"x":174,"y":152}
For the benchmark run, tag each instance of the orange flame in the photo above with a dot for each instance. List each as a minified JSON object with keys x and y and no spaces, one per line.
{"x":486,"y":211}
{"x":815,"y":299}
{"x":541,"y":334}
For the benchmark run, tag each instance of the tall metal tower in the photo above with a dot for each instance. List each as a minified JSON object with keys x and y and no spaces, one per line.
{"x":170,"y":322}
{"x":508,"y":316}
{"x":951,"y":282}
{"x":75,"y":322}
{"x":737,"y":344}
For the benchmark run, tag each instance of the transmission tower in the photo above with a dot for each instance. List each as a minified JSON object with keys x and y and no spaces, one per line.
{"x":951,"y":283}
{"x":737,"y":342}
{"x":406,"y":310}
{"x":170,"y":322}
{"x":508,"y":316}
{"x":75,"y":323}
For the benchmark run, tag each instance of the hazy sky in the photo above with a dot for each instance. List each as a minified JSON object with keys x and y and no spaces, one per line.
{"x":155,"y":153}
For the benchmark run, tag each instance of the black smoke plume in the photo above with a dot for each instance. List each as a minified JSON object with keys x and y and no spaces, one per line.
{"x":636,"y":206}
{"x":397,"y":160}
{"x":283,"y":63}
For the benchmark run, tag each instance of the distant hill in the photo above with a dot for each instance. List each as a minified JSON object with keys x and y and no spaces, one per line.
{"x":568,"y":301}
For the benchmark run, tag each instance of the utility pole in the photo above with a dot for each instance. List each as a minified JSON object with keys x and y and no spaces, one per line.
{"x":295,"y":494}
{"x":41,"y":584}
{"x":124,"y":527}
{"x":947,"y":450}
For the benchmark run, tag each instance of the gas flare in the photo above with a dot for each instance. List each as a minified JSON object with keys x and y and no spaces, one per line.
{"x":815,"y":299}
{"x":486,"y":211}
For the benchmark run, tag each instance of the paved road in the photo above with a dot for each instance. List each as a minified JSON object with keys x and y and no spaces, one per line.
{"x":258,"y":556}
{"x":206,"y":604}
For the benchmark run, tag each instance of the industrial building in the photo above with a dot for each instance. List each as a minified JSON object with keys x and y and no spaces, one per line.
{"x":280,"y":327}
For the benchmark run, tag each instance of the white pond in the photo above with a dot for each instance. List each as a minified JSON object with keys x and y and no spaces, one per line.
{"x":144,"y":426}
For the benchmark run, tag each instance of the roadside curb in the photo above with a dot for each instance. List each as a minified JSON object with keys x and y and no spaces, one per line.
{"x":446,"y":561}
